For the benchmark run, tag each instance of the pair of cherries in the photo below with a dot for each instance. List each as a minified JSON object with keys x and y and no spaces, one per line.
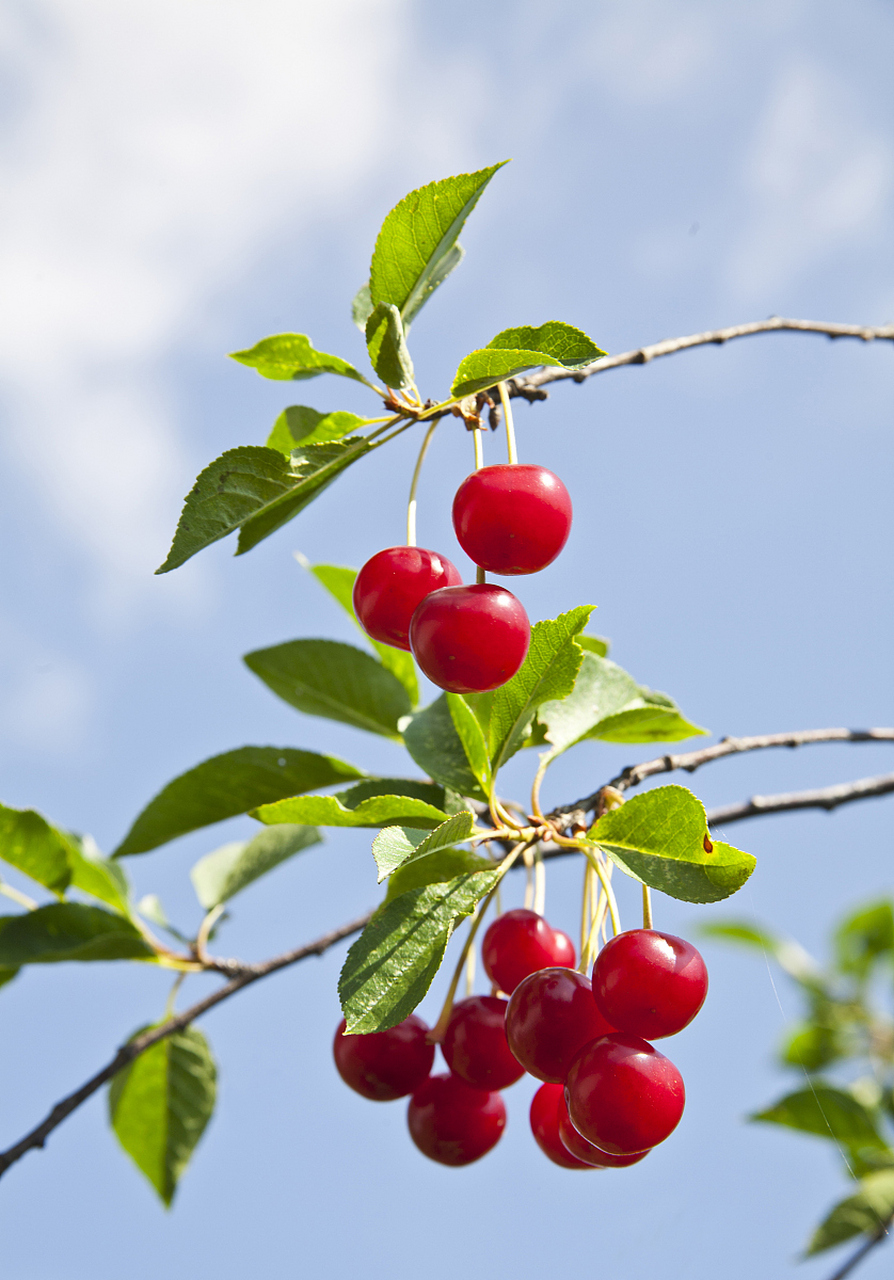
{"x":510,"y":519}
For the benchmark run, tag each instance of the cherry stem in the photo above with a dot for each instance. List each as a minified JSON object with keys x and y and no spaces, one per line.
{"x":528,"y":859}
{"x":595,"y":857}
{"x":647,"y":907}
{"x":414,"y":484}
{"x":585,"y":913}
{"x":15,"y":896}
{"x":539,"y":883}
{"x":510,"y":426}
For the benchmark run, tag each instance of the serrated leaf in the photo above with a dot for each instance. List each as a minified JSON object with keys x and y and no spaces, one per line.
{"x":865,"y":937}
{"x":416,"y":248}
{"x":826,"y":1112}
{"x":298,"y":424}
{"x":865,"y":1212}
{"x":219,"y":876}
{"x":397,"y":845}
{"x":335,"y":680}
{"x":390,"y":967}
{"x":548,"y":673}
{"x":160,"y":1104}
{"x":257,"y":490}
{"x":525,"y":347}
{"x":289,"y":357}
{"x":601,"y":689}
{"x":361,"y":307}
{"x":228,"y":785}
{"x":32,"y":845}
{"x":471,"y":736}
{"x":661,"y":838}
{"x":387,"y":346}
{"x":435,"y":868}
{"x":69,"y":931}
{"x":378,"y":802}
{"x":431,"y":739}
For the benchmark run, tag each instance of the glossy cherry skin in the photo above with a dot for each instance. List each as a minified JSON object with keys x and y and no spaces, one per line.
{"x":453,"y":1123}
{"x":623,"y":1095}
{"x":649,"y":983}
{"x":546,"y":1106}
{"x":384,"y":1065}
{"x":470,"y":639}
{"x":390,"y":586}
{"x":512,"y":519}
{"x":475,"y":1045}
{"x":550,"y":1017}
{"x":579,"y":1149}
{"x":519,"y":943}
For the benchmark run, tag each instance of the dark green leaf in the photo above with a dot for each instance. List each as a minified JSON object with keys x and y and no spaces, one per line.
{"x":811,"y":1047}
{"x":514,"y":350}
{"x":387,"y":346}
{"x":7,"y":974}
{"x":430,"y":737}
{"x":436,"y":868}
{"x":391,"y":965}
{"x":69,"y":931}
{"x":30,"y":843}
{"x":397,"y":845}
{"x":100,"y":877}
{"x":865,"y":1212}
{"x":230,"y":784}
{"x":661,"y":838}
{"x":219,"y":876}
{"x":361,"y":307}
{"x":416,"y":248}
{"x":828,"y":1113}
{"x":865,"y":937}
{"x":160,"y":1104}
{"x":335,"y":680}
{"x":298,"y":424}
{"x":378,"y":802}
{"x":290,"y":357}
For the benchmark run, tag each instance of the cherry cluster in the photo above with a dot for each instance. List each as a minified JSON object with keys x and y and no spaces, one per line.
{"x":510,"y":519}
{"x":608,"y":1096}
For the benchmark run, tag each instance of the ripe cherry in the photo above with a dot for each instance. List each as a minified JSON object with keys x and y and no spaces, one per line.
{"x":623,"y":1095}
{"x":649,"y":983}
{"x":512,"y":519}
{"x":519,"y":943}
{"x":546,"y":1106}
{"x":578,"y":1147}
{"x":475,"y":1045}
{"x":384,"y":1065}
{"x":470,"y":639}
{"x":550,"y":1017}
{"x":453,"y":1123}
{"x":390,"y":586}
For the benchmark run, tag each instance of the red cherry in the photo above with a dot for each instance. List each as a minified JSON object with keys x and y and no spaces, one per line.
{"x":649,"y":983}
{"x":550,"y":1017}
{"x":453,"y":1123}
{"x":623,"y":1095}
{"x":513,"y":518}
{"x":384,"y":1065}
{"x":578,"y":1147}
{"x":519,"y":943}
{"x":390,"y":586}
{"x":475,"y":1045}
{"x":470,"y":639}
{"x":546,"y":1106}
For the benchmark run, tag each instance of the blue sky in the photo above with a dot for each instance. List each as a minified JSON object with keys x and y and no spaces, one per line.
{"x":178,"y":183}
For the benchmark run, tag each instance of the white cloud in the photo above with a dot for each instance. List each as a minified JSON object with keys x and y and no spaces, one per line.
{"x":46,"y":699}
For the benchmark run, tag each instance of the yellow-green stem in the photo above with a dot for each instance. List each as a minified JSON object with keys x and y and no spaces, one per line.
{"x":510,"y":426}
{"x":414,"y":484}
{"x":539,"y":883}
{"x":647,"y":907}
{"x":16,"y":896}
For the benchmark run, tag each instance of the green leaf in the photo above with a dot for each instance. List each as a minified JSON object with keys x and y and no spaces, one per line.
{"x":100,"y":877}
{"x":219,"y":876}
{"x":514,"y":350}
{"x":790,"y":956}
{"x":812,"y":1047}
{"x":377,"y":802}
{"x":595,"y":644}
{"x":826,"y":1112}
{"x":397,"y":845}
{"x":431,"y":738}
{"x":69,"y":931}
{"x":865,"y":1212}
{"x":228,"y":785}
{"x":361,"y":307}
{"x":391,"y":965}
{"x":646,"y":723}
{"x":255,"y":489}
{"x":661,"y":838}
{"x":436,"y":868}
{"x":387,"y":346}
{"x":865,"y":937}
{"x":335,"y":680}
{"x":416,"y":248}
{"x":298,"y":424}
{"x":160,"y":1104}
{"x":290,"y":357}
{"x":547,"y":673}
{"x":339,"y":582}
{"x":601,"y":689}
{"x":30,"y":843}
{"x":471,"y":735}
{"x":7,"y":974}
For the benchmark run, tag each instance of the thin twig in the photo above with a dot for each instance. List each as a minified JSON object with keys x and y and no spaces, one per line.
{"x":866,"y":1247}
{"x":128,"y":1052}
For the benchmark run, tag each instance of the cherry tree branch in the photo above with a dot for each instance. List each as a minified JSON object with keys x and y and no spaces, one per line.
{"x":866,"y":1247}
{"x":827,"y":798}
